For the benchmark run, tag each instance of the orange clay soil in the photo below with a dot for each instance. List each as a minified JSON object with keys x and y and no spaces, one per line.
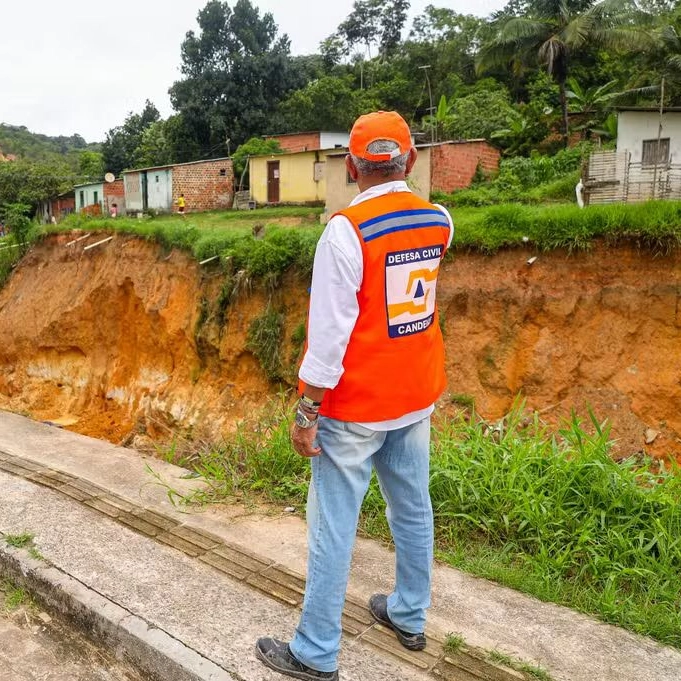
{"x":124,"y":340}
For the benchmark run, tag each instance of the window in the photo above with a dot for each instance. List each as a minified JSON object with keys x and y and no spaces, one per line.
{"x":96,"y":198}
{"x":223,"y":172}
{"x":157,"y":179}
{"x":655,"y":152}
{"x":82,"y":199}
{"x":348,"y":179}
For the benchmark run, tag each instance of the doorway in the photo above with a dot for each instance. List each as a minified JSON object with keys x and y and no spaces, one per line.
{"x":273,"y":182}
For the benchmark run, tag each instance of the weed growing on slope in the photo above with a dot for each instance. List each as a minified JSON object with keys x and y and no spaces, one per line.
{"x":264,"y":341}
{"x":557,"y":517}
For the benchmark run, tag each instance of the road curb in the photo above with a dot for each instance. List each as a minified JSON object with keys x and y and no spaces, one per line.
{"x":150,"y":649}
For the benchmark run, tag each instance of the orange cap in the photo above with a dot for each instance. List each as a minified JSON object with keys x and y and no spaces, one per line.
{"x":380,"y":125}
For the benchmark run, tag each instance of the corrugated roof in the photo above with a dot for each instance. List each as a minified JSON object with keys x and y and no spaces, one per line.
{"x":89,"y":184}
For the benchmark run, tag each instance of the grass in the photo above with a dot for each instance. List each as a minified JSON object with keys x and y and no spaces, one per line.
{"x":655,"y":226}
{"x":454,"y":643}
{"x":264,"y":341}
{"x":550,"y":515}
{"x":498,"y":657}
{"x":24,"y":541}
{"x":19,"y":541}
{"x":15,"y":596}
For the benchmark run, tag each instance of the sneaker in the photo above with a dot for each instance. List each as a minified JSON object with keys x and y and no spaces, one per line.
{"x":378,"y":605}
{"x":278,"y":656}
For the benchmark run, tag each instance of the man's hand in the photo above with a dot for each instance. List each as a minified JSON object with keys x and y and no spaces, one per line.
{"x":303,"y":441}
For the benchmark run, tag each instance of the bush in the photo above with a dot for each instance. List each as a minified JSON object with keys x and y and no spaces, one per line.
{"x":535,"y":179}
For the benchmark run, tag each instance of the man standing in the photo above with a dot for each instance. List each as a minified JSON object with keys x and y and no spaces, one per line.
{"x":373,"y":368}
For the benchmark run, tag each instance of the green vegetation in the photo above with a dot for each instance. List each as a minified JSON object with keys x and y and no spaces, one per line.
{"x":454,"y":643}
{"x":554,"y":516}
{"x":228,"y":234}
{"x":30,"y":146}
{"x":655,"y":226}
{"x":19,"y":540}
{"x":15,"y":596}
{"x":264,"y":341}
{"x":535,"y":179}
{"x":501,"y":658}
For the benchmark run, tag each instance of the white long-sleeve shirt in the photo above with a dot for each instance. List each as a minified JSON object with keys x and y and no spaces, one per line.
{"x":336,"y":279}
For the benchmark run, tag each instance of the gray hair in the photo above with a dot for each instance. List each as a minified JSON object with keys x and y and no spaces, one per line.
{"x":392,"y":167}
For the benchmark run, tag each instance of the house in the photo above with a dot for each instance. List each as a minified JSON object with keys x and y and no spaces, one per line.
{"x":297,"y":174}
{"x":56,"y":208}
{"x":296,"y":177}
{"x":440,"y":167}
{"x":89,"y":197}
{"x":311,"y":141}
{"x":646,"y":164}
{"x":206,"y":185}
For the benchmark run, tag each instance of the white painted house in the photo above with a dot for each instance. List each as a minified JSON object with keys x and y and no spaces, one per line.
{"x":647,"y":163}
{"x":637,"y":134}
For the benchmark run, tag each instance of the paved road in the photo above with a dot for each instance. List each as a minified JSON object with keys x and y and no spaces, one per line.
{"x":35,"y":649}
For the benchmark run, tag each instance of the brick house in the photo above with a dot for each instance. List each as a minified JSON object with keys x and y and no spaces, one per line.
{"x":294,"y":142}
{"x":206,"y":185}
{"x":114,"y":192}
{"x":453,"y":164}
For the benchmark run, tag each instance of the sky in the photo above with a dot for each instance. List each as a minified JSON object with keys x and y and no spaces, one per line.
{"x":76,"y":66}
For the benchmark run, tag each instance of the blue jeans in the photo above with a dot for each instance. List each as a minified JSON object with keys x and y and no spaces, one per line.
{"x":340,"y":479}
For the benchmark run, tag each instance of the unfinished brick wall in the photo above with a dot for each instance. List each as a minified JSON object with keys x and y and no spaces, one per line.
{"x":62,"y":206}
{"x":304,"y":141}
{"x":453,"y":165}
{"x":207,"y":185}
{"x":114,"y":192}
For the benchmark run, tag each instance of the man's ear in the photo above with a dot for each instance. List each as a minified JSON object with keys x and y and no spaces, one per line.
{"x":413,"y":154}
{"x":351,"y":167}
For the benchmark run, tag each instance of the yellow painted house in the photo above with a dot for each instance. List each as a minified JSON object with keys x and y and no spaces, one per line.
{"x":298,"y":175}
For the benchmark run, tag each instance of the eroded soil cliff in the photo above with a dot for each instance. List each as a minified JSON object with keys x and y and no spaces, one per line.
{"x":127,"y":339}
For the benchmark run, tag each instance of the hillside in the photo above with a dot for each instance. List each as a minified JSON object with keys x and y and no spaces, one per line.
{"x":135,"y":339}
{"x":20,"y":142}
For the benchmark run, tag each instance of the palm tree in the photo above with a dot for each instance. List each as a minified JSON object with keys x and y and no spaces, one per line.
{"x":554,"y":30}
{"x":595,"y":102}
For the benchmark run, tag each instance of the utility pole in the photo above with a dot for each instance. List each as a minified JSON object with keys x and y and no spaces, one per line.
{"x":431,"y":109}
{"x":659,"y":138}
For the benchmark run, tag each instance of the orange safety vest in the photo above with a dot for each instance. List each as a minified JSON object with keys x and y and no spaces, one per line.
{"x":394,"y":362}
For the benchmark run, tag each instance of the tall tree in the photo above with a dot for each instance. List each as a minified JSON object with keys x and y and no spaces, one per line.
{"x":236,"y":70}
{"x":121,"y":142}
{"x":329,"y":103}
{"x":555,"y":30}
{"x":374,"y":22}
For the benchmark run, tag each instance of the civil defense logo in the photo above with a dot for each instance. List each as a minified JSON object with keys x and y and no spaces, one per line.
{"x":410,"y":287}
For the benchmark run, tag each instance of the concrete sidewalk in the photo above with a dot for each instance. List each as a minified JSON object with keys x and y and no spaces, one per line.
{"x":236,"y":575}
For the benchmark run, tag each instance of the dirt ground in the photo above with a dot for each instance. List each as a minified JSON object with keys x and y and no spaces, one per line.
{"x":35,"y":645}
{"x":125,"y":342}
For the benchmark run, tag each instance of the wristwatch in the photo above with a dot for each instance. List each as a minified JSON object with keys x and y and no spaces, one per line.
{"x":304,"y":421}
